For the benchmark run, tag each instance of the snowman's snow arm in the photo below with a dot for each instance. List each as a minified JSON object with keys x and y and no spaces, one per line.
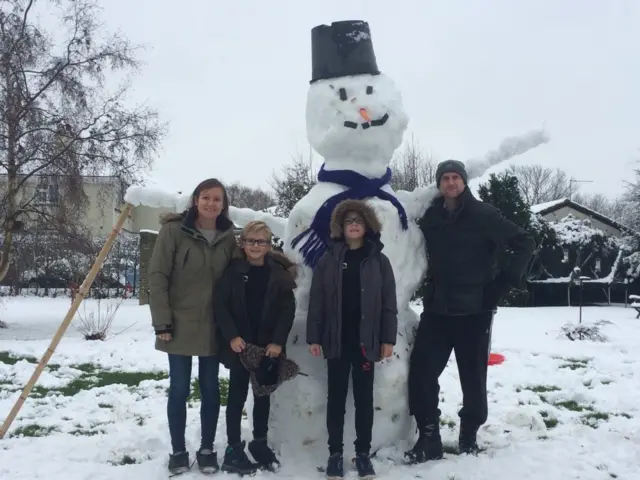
{"x":509,"y":148}
{"x":242,"y":216}
{"x":417,"y":201}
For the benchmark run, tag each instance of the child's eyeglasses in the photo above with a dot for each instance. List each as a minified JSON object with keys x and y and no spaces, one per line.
{"x":255,"y":241}
{"x":355,"y":220}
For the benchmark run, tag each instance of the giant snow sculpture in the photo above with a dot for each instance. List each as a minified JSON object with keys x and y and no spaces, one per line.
{"x":355,"y":121}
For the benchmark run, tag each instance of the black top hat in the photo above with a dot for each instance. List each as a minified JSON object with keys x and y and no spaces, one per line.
{"x":344,"y":48}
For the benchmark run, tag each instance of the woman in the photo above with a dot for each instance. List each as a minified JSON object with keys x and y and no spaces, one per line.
{"x":191,"y":253}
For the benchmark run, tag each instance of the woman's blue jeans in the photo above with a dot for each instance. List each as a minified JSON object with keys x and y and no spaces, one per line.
{"x":179,"y":389}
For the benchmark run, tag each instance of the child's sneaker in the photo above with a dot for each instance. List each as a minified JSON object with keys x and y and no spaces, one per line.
{"x":236,"y":460}
{"x":335,"y":467}
{"x":179,"y":463}
{"x":207,"y":461}
{"x":262,"y":454}
{"x":364,"y":466}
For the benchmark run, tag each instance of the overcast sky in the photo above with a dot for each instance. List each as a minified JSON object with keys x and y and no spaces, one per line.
{"x":231,"y":77}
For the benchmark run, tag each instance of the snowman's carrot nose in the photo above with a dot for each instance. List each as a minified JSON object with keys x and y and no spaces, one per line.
{"x":365,"y":115}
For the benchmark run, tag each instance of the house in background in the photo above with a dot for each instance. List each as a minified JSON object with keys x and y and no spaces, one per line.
{"x":104,"y":197}
{"x":591,"y":254}
{"x":90,"y":202}
{"x":563,"y":207}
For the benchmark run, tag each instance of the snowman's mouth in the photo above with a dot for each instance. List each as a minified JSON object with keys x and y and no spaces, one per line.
{"x":373,"y":123}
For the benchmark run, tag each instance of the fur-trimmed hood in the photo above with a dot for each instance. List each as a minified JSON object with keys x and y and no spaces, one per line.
{"x":360,"y":207}
{"x":170,"y":217}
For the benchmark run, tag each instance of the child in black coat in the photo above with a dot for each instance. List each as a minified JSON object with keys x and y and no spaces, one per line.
{"x":254,"y":304}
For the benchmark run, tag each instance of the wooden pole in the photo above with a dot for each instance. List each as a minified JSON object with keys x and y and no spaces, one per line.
{"x":82,"y":292}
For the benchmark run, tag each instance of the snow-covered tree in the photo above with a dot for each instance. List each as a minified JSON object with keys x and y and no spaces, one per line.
{"x":296,"y":181}
{"x":503,"y":192}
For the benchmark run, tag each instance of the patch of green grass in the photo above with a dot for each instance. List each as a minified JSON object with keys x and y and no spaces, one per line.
{"x":447,"y":422}
{"x":195,"y":395}
{"x":573,"y":406}
{"x":33,"y":430}
{"x":574,"y":363}
{"x":450,"y":449}
{"x":625,"y":415}
{"x":606,"y":382}
{"x":592,"y":419}
{"x":94,"y":378}
{"x":550,"y":422}
{"x":544,"y":388}
{"x":105,"y":405}
{"x":11,"y":359}
{"x":86,"y":433}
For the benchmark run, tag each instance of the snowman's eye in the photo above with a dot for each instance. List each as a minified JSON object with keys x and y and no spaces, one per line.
{"x":369,"y":90}
{"x":343,"y":94}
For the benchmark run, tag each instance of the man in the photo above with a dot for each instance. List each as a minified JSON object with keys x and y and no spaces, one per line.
{"x":464,"y":237}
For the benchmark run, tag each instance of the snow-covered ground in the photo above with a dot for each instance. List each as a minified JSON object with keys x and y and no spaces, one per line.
{"x":558,"y":409}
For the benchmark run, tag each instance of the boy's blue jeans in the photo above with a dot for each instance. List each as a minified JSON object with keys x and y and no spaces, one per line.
{"x":179,"y":389}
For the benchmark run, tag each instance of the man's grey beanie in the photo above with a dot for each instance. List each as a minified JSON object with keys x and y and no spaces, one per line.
{"x":451,"y":166}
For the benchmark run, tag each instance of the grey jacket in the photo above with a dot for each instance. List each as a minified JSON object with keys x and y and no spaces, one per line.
{"x":379,"y":322}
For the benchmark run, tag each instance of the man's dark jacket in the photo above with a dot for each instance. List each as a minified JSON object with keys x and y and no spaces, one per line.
{"x":463,"y":276}
{"x":230,"y":306}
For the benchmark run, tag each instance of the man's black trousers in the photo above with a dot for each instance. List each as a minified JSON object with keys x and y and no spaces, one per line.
{"x":338,"y":372}
{"x":469,"y":336}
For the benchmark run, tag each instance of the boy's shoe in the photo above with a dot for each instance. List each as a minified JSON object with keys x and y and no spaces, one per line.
{"x":428,"y":447}
{"x":207,"y":461}
{"x":179,"y":463}
{"x":364,"y":466}
{"x":236,"y":460}
{"x":335,"y":467}
{"x":262,"y":454}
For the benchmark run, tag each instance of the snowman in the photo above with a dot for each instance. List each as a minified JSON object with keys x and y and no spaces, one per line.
{"x":355,"y":121}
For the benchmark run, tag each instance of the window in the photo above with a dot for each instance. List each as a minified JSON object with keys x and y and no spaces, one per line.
{"x":47,"y":192}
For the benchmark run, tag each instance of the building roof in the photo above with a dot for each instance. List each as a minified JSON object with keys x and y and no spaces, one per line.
{"x":550,"y":207}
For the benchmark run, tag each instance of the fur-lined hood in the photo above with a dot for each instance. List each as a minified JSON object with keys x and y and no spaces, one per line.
{"x":361,"y":208}
{"x":170,"y":217}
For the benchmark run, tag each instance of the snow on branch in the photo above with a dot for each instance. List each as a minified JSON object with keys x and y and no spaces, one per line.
{"x":155,"y":198}
{"x":242,"y":216}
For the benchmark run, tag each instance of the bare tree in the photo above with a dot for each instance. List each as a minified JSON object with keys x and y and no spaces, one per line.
{"x":412,"y":168}
{"x":540,"y":184}
{"x":619,"y":209}
{"x":57,"y":116}
{"x":246,"y":197}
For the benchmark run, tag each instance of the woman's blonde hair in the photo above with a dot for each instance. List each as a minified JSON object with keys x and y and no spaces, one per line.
{"x":254,"y":227}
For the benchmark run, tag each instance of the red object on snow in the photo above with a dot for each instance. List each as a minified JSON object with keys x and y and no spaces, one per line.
{"x":496,"y":358}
